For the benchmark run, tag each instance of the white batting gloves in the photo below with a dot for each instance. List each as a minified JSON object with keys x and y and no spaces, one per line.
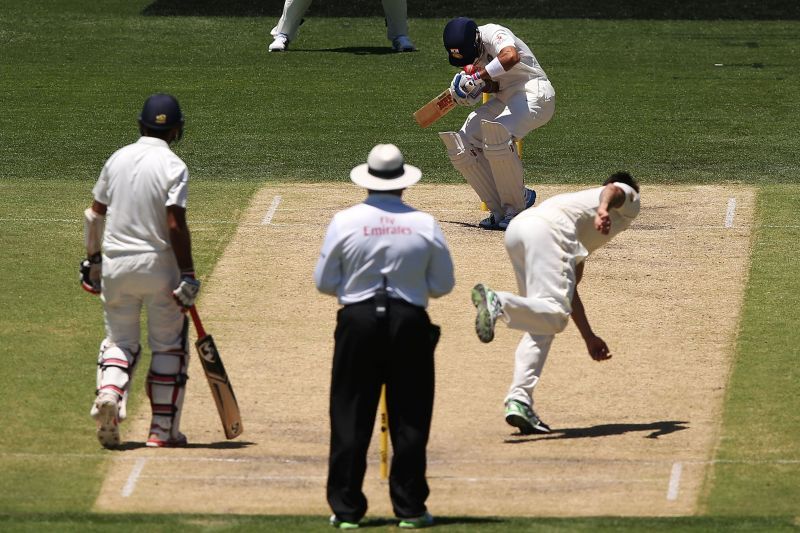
{"x":187,"y":291}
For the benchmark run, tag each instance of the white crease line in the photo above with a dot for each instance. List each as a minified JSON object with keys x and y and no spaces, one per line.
{"x":271,"y":211}
{"x":730,"y":213}
{"x":130,"y":485}
{"x":674,"y":482}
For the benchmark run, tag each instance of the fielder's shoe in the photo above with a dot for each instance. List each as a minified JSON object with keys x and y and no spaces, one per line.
{"x":341,"y":524}
{"x":402,"y":43}
{"x":160,"y":438}
{"x":419,"y":522}
{"x":106,"y":413}
{"x":489,"y":222}
{"x":530,"y":198}
{"x":522,"y":417}
{"x":280,"y":44}
{"x":489,"y":308}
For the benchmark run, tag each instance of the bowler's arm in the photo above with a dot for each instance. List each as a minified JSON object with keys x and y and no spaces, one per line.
{"x":598,"y":350}
{"x":610,"y":198}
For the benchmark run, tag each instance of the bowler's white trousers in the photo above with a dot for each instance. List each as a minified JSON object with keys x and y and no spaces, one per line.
{"x":543,"y":254}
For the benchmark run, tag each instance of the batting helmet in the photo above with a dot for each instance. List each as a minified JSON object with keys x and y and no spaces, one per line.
{"x":462,"y":41}
{"x":161,"y":112}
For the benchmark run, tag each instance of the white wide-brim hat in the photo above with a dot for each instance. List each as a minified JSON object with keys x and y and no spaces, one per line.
{"x":385,"y":170}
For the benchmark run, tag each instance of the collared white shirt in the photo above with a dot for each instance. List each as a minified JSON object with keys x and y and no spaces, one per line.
{"x":384,"y":237}
{"x":494,"y":38}
{"x":574,"y":212}
{"x":137,"y":184}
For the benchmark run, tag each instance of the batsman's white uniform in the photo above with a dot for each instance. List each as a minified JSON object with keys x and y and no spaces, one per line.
{"x":138,"y":183}
{"x":293,"y":11}
{"x":483,"y":150}
{"x":545,"y":244}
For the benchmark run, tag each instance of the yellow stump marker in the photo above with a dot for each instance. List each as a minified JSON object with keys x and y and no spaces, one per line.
{"x":384,"y":442}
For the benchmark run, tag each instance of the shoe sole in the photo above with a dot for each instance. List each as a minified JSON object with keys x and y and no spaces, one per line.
{"x":524,"y":425}
{"x":108,"y":425}
{"x":483,"y":321}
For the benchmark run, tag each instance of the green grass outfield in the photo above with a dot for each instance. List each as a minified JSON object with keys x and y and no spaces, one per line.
{"x":638,"y":94}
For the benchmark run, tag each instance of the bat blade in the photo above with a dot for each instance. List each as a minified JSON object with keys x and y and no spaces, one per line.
{"x":435,"y":109}
{"x":221,"y":388}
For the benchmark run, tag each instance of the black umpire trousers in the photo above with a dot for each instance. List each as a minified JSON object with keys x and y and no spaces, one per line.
{"x":397,"y":350}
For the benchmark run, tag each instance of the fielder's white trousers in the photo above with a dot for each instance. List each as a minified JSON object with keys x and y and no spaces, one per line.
{"x":396,"y":12}
{"x":520,"y":111}
{"x":544,"y":256}
{"x":131,"y":282}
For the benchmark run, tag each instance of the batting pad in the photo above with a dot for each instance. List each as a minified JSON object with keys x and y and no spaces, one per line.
{"x":476,"y":170}
{"x":505,"y":164}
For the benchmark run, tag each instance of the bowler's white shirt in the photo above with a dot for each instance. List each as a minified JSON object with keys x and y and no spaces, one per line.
{"x":137,"y":184}
{"x":494,"y":38}
{"x":384,"y":237}
{"x":574,"y":213}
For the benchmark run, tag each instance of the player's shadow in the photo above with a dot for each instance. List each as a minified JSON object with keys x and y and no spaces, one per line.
{"x":222,"y":445}
{"x":484,"y":11}
{"x":653,"y":430}
{"x":355,"y":50}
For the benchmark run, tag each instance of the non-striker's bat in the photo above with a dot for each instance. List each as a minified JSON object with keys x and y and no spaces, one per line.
{"x":221,"y":388}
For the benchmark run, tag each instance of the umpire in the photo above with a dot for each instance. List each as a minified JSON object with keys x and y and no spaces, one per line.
{"x":382,"y":259}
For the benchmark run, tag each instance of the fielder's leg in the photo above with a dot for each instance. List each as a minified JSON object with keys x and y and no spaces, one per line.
{"x":286,"y":29}
{"x":506,"y":167}
{"x":469,"y":161}
{"x":396,"y":12}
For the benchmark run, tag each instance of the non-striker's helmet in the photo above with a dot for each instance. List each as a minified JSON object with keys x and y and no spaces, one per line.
{"x":461,"y":40}
{"x":162,"y":112}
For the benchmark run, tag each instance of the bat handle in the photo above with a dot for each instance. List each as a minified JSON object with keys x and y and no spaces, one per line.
{"x":197,"y":324}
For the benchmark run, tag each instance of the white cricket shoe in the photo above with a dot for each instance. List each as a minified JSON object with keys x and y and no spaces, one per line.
{"x":280,"y":44}
{"x":402,"y":43}
{"x":106,"y":412}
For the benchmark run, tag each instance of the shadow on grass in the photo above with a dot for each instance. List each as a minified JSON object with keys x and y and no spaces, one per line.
{"x":654,"y":430}
{"x":355,"y":50}
{"x":484,"y":11}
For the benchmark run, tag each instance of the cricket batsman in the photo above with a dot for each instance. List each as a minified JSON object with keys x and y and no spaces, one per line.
{"x":139,"y":255}
{"x":495,"y":61}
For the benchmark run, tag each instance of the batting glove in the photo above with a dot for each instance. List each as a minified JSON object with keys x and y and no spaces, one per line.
{"x":187,"y":291}
{"x":467,"y":88}
{"x":90,"y":273}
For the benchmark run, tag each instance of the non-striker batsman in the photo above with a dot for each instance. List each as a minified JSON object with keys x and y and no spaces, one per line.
{"x":139,"y":255}
{"x":483,"y":151}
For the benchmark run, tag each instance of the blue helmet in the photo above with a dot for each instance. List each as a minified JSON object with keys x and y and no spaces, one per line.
{"x":161,"y":112}
{"x":462,"y":41}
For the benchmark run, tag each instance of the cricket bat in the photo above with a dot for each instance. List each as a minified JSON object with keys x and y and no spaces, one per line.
{"x":221,"y":388}
{"x":435,"y":109}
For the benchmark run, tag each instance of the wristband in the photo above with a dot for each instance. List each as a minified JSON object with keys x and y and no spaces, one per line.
{"x":494,"y":69}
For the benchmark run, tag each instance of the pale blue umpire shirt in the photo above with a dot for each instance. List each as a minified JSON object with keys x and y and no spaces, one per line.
{"x":384,"y":237}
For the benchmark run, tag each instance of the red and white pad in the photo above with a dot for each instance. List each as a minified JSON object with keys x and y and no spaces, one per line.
{"x":115,"y":367}
{"x":166,"y":385}
{"x":506,"y":166}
